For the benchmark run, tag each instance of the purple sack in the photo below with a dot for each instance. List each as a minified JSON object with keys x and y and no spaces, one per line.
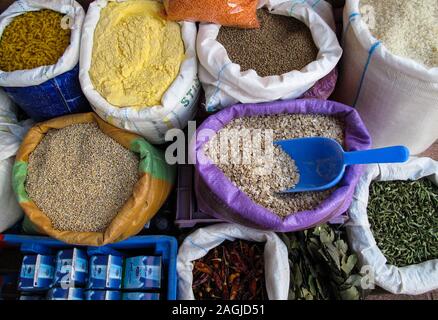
{"x":323,"y":88}
{"x":217,"y":196}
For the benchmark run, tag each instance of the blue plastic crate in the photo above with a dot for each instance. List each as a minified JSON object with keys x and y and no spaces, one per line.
{"x":165,"y":246}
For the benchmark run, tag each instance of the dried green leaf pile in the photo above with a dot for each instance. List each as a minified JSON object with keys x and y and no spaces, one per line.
{"x":321,"y":266}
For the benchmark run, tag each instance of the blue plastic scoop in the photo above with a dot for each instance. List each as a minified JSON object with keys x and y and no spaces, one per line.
{"x":321,"y":162}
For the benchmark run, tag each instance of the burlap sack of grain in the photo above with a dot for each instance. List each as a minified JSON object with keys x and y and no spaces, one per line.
{"x":396,"y":97}
{"x":197,"y":245}
{"x":218,"y":197}
{"x":11,"y":134}
{"x":178,"y":104}
{"x":224,"y":83}
{"x":48,"y":91}
{"x":155,"y":182}
{"x":410,"y":280}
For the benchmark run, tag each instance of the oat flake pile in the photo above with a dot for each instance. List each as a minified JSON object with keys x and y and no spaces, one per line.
{"x":263,"y":187}
{"x":80,"y":177}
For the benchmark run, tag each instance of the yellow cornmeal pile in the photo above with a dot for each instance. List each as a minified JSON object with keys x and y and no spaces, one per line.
{"x":32,"y":40}
{"x":136,"y":55}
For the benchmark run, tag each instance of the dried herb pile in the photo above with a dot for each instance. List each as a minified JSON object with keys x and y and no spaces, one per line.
{"x":404,"y":220}
{"x":231,"y":271}
{"x":321,"y":266}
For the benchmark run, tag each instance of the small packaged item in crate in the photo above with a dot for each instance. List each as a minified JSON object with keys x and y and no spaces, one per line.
{"x":103,"y":295}
{"x":141,"y":296}
{"x":37,"y":272}
{"x":71,"y":268}
{"x":142,"y":273}
{"x":24,"y":297}
{"x":105,"y":272}
{"x":65,"y":294}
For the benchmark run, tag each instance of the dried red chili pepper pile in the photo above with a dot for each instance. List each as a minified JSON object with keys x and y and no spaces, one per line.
{"x":231,"y":271}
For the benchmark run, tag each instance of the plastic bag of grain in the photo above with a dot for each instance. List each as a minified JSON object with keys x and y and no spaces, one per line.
{"x":235,"y":13}
{"x":396,"y":96}
{"x":218,"y":196}
{"x":11,"y":134}
{"x":412,"y":279}
{"x":155,"y":181}
{"x":178,"y":104}
{"x":197,"y":245}
{"x":46,"y":91}
{"x":225,"y":83}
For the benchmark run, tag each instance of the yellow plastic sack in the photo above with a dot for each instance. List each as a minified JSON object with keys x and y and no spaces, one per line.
{"x":150,"y":192}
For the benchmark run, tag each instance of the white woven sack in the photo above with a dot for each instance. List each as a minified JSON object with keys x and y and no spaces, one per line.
{"x":70,"y":58}
{"x":197,"y":245}
{"x":321,"y":7}
{"x":178,"y":104}
{"x":11,"y":134}
{"x":413,"y":279}
{"x":396,"y":97}
{"x":224,"y":83}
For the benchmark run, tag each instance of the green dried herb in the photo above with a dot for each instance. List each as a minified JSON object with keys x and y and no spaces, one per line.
{"x":321,"y":266}
{"x":404,"y":220}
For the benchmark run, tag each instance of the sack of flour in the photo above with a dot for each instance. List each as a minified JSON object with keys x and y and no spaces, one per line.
{"x":177,"y":105}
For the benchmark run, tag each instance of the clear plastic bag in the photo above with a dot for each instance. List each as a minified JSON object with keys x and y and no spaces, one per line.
{"x":236,"y":13}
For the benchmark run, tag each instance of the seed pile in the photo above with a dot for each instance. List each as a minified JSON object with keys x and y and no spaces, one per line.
{"x":232,"y":271}
{"x":261,"y":179}
{"x":407,"y":28}
{"x":80,"y":177}
{"x":32,"y":40}
{"x":404,"y":220}
{"x":281,"y":45}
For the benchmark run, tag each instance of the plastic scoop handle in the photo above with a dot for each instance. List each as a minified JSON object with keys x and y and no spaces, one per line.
{"x":395,"y":154}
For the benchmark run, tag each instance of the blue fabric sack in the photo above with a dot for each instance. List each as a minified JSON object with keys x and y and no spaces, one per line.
{"x":53,"y":98}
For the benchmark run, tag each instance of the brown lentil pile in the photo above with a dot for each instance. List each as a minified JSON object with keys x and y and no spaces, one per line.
{"x":281,"y":45}
{"x":262,"y":186}
{"x":80,"y":177}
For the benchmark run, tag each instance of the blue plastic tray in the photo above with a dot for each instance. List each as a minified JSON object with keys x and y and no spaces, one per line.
{"x":165,"y":246}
